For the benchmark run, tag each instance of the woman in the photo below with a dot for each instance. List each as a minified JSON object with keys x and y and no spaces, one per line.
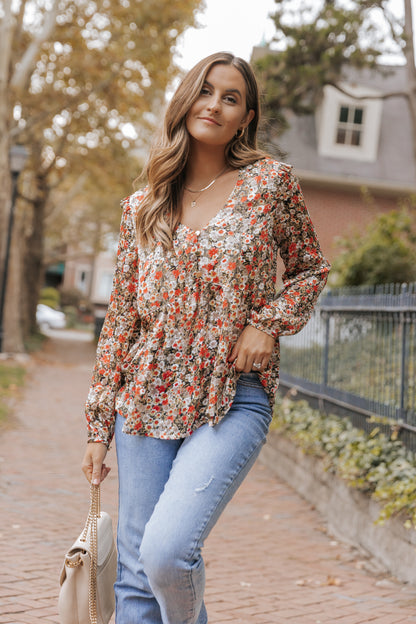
{"x":187,"y":362}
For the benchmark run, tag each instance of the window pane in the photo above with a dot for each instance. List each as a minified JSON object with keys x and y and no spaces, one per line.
{"x":343,"y":114}
{"x":356,"y":137}
{"x":358,"y":116}
{"x":341,"y":135}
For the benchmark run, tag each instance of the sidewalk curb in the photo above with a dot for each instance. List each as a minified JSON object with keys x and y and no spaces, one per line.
{"x":350,"y":513}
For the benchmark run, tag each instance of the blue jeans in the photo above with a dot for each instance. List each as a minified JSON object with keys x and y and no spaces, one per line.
{"x":171,"y":494}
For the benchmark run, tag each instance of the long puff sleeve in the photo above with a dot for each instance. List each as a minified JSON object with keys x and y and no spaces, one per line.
{"x":306,"y":269}
{"x":121,"y":327}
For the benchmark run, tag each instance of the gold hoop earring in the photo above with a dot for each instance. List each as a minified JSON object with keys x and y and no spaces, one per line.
{"x":240,"y":133}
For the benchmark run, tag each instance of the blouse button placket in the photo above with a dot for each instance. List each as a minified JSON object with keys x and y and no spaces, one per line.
{"x":197,"y":248}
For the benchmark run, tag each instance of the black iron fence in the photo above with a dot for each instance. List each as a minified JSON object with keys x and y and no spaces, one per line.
{"x":358,"y":353}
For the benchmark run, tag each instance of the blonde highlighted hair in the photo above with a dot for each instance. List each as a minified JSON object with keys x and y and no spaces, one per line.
{"x":160,"y":211}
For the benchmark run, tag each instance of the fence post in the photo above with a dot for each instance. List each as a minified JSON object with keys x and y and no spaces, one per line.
{"x":326,"y":349}
{"x":404,"y":376}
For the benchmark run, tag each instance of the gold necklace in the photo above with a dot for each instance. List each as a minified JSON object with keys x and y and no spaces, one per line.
{"x":208,"y":186}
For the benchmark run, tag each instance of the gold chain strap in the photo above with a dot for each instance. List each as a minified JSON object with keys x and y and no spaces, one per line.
{"x":91,"y":524}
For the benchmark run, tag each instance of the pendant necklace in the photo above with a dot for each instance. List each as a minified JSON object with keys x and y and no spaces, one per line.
{"x":208,"y":186}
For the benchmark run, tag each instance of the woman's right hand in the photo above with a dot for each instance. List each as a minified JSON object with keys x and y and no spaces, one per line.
{"x":93,"y":465}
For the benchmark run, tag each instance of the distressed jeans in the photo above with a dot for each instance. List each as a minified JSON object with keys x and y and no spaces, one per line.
{"x":171,"y":494}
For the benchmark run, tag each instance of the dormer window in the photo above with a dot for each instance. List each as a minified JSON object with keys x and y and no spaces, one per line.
{"x":348,"y":126}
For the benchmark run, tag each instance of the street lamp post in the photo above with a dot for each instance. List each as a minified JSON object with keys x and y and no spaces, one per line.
{"x":17,"y":158}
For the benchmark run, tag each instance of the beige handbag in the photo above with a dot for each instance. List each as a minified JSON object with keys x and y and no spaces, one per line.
{"x":89,"y":571}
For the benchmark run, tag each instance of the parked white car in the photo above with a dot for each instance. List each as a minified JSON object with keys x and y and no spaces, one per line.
{"x":48,"y":318}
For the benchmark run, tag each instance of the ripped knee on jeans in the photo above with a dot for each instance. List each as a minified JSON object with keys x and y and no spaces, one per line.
{"x":205,"y":486}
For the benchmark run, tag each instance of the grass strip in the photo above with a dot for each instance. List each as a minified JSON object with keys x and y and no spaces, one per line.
{"x":12,"y":378}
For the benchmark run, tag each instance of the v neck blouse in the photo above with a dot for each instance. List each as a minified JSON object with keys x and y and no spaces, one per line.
{"x":174,"y":315}
{"x":224,"y":208}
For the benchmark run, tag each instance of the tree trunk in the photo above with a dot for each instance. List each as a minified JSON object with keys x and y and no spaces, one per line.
{"x":13,"y":339}
{"x":6,"y":30}
{"x":13,"y":335}
{"x":33,"y":259}
{"x":411,"y":67}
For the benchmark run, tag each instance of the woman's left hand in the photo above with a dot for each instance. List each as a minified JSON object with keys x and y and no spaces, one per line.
{"x":252,"y":350}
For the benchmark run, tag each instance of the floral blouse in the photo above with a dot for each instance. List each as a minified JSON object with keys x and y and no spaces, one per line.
{"x":174,"y":315}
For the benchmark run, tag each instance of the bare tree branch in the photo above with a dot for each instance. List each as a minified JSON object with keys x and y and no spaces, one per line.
{"x":24,"y":68}
{"x":6,"y":30}
{"x":381,"y":96}
{"x":19,"y":21}
{"x":75,"y":189}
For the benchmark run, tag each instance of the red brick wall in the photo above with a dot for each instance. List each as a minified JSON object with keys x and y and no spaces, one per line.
{"x":337,"y":213}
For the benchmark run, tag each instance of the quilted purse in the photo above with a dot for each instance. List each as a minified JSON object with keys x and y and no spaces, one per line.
{"x":87,"y":595}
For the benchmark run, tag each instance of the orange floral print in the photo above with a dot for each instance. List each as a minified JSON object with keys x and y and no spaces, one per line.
{"x":174,"y":315}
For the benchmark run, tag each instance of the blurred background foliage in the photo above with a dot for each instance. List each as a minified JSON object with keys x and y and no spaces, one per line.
{"x":384,"y":254}
{"x":82,"y":85}
{"x":314,"y":43}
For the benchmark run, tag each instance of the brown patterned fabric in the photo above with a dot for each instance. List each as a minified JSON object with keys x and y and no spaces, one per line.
{"x":175,"y":315}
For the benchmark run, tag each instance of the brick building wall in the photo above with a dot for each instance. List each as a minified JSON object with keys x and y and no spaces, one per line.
{"x":339,"y":213}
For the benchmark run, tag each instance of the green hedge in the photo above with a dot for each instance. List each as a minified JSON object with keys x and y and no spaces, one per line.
{"x":50,"y":296}
{"x":374,"y":463}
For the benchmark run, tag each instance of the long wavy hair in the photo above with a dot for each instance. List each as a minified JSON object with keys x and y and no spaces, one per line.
{"x":160,"y":211}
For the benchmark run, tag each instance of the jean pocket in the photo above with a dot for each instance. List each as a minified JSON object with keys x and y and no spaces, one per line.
{"x":250,"y":379}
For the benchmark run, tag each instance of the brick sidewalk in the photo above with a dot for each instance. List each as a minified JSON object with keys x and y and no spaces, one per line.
{"x":269,"y":559}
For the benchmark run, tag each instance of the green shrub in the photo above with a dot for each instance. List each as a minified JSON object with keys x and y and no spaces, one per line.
{"x":71,"y":297}
{"x":374,"y":463}
{"x":50,"y":296}
{"x":384,"y":253}
{"x":71,"y":314}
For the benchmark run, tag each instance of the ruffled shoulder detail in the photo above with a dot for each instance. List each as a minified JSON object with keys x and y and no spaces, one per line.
{"x":132,"y":202}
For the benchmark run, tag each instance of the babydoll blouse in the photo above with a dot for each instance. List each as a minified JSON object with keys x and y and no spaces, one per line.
{"x":174,"y":315}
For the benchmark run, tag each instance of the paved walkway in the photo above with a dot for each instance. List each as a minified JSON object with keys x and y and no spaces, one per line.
{"x":269,"y":559}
